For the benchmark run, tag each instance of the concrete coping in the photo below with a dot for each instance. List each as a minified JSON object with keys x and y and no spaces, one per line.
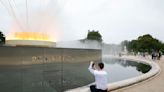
{"x":155,"y":69}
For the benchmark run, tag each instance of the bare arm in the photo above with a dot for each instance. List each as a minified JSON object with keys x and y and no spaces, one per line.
{"x":90,"y":68}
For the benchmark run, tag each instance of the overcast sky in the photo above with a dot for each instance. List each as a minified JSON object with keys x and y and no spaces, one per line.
{"x":116,"y":20}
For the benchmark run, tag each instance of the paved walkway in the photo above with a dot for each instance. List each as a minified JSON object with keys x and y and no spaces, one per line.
{"x":155,"y":84}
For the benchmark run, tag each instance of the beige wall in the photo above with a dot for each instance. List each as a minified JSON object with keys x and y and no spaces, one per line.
{"x":25,"y":55}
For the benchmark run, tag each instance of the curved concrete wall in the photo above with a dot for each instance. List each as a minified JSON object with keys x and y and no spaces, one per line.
{"x":24,"y":55}
{"x":120,"y":84}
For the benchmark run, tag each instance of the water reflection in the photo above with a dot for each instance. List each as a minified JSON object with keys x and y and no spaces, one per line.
{"x":144,"y":68}
{"x":58,"y":77}
{"x":120,"y":69}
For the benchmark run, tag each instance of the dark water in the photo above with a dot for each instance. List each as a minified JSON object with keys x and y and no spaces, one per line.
{"x":58,"y":77}
{"x":122,"y":69}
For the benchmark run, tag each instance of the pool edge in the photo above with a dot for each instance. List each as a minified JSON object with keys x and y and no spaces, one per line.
{"x":128,"y":82}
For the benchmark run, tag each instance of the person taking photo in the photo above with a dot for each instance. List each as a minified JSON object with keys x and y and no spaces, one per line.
{"x":100,"y":77}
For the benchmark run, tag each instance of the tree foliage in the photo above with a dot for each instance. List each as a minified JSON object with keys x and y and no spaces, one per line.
{"x":145,"y":43}
{"x":2,"y":38}
{"x":94,"y":35}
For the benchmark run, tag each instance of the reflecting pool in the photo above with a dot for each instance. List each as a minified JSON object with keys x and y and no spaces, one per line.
{"x":58,"y":77}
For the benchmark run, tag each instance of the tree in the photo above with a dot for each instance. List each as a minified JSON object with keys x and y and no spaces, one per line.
{"x":133,"y":45}
{"x":162,"y":47}
{"x":2,"y":38}
{"x":94,"y":35}
{"x":145,"y":43}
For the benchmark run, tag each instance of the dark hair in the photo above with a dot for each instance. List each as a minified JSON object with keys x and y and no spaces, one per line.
{"x":93,"y":65}
{"x":101,"y":65}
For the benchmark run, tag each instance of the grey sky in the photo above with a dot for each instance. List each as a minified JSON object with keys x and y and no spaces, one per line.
{"x":116,"y":20}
